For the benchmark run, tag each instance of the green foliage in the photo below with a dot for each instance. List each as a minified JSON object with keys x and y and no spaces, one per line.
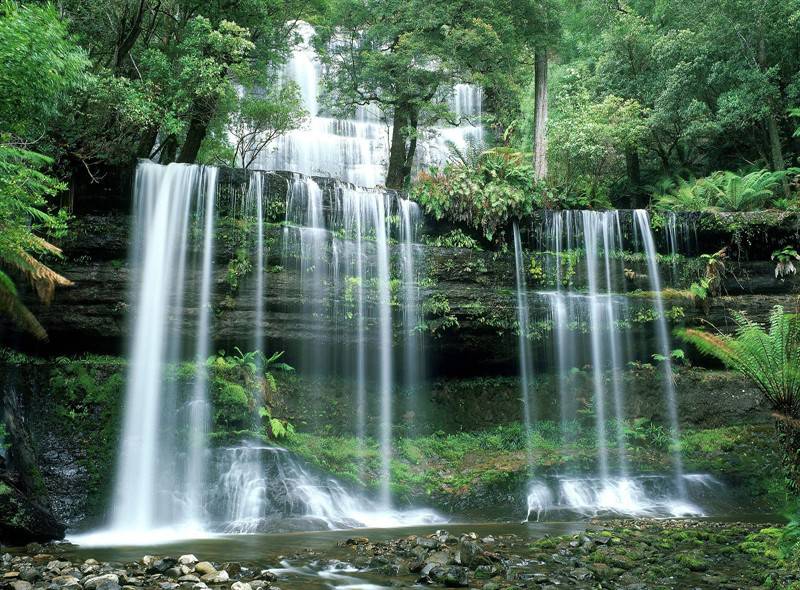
{"x":784,"y":261}
{"x":242,"y":385}
{"x":40,"y":65}
{"x":4,"y":436}
{"x":238,"y":268}
{"x":24,"y":190}
{"x":438,"y":314}
{"x":589,"y":139}
{"x":676,"y":356}
{"x":724,"y":191}
{"x":259,"y":119}
{"x":771,"y":360}
{"x":455,"y":239}
{"x":167,"y":72}
{"x":87,"y":394}
{"x":384,"y":52}
{"x":535,"y":271}
{"x":485,"y":197}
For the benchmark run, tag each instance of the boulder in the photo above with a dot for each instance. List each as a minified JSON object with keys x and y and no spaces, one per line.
{"x":102,"y":582}
{"x":216,"y":577}
{"x":455,"y":576}
{"x":205,"y":567}
{"x":188,"y":559}
{"x":23,"y":520}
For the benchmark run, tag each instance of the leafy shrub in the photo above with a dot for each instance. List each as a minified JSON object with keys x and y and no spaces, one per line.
{"x":484,"y":197}
{"x":724,"y":191}
{"x":455,"y":239}
{"x":240,"y":383}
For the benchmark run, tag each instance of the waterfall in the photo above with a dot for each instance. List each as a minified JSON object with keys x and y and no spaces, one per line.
{"x":525,"y":360}
{"x":256,"y":195}
{"x":263,"y":488}
{"x":149,"y":492}
{"x":588,"y":310}
{"x":356,"y":149}
{"x":385,"y":346}
{"x":200,"y":414}
{"x":344,"y":258}
{"x":412,"y":354}
{"x":170,"y":484}
{"x":665,"y":349}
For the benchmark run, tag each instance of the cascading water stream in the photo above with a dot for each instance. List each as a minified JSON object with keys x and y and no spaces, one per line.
{"x":357,"y":149}
{"x":200,"y":414}
{"x":591,"y":221}
{"x":143,"y":499}
{"x":525,"y":360}
{"x":170,"y":485}
{"x":385,"y":344}
{"x":256,"y":194}
{"x":602,"y":308}
{"x":643,"y":223}
{"x":412,"y":358}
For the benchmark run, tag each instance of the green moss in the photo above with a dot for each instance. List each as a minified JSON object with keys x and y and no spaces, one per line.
{"x":88,"y":392}
{"x":231,"y":404}
{"x":693,"y":561}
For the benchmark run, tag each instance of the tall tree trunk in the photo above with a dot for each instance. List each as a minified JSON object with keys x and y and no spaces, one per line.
{"x":395,"y":176}
{"x":634,"y":170}
{"x":413,"y":121}
{"x":198,"y":127}
{"x":540,"y":129}
{"x":773,"y":133}
{"x":146,"y":142}
{"x":128,"y":40}
{"x":789,"y":439}
{"x":168,"y":150}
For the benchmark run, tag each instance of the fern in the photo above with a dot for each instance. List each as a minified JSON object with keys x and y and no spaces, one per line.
{"x":24,"y":190}
{"x":770,"y":358}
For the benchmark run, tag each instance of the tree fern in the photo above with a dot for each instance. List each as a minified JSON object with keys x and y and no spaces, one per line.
{"x":11,"y":306}
{"x":24,"y":190}
{"x":770,"y":358}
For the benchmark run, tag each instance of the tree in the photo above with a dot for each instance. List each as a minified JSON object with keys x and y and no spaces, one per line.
{"x":771,"y":360}
{"x":406,"y":55}
{"x":260,"y":119}
{"x":169,"y":68}
{"x":40,"y":66}
{"x":543,"y":41}
{"x":715,"y":90}
{"x":209,"y":58}
{"x":590,"y":138}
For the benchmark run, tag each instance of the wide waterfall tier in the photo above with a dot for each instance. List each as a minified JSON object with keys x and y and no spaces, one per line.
{"x":588,"y":327}
{"x":356,"y":149}
{"x":170,"y":478}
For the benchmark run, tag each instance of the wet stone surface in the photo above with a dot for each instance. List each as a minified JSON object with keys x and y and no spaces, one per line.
{"x":624,"y":554}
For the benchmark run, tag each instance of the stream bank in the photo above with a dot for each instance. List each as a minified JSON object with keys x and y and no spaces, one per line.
{"x":613,"y":554}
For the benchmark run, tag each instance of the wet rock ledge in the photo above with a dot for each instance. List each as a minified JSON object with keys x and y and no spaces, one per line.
{"x":619,"y":554}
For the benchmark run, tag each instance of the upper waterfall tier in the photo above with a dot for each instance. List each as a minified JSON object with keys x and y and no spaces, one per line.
{"x":356,"y":149}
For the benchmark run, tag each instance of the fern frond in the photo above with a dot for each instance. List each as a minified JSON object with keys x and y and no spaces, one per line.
{"x":770,"y":357}
{"x":11,"y":306}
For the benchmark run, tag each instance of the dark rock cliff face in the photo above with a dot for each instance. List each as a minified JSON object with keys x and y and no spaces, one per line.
{"x":470,"y":330}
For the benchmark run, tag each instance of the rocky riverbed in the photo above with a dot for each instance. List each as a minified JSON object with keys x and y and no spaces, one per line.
{"x":625,"y":554}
